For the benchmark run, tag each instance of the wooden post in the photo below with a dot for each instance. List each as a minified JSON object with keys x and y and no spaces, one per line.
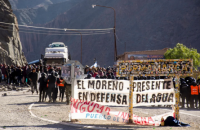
{"x":131,"y":100}
{"x":177,"y":97}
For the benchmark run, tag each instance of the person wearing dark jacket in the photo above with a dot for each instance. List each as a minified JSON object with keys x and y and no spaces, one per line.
{"x":28,"y":71}
{"x":43,"y":86}
{"x":51,"y":86}
{"x":0,"y":75}
{"x":8,"y":72}
{"x":33,"y":76}
{"x":19,"y":75}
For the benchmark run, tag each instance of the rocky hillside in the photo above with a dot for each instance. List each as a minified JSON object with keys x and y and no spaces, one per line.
{"x":142,"y":24}
{"x":44,"y":14}
{"x":10,"y":45}
{"x":24,"y":4}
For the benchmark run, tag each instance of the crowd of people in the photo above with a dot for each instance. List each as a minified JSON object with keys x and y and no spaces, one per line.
{"x":47,"y":78}
{"x":100,"y":72}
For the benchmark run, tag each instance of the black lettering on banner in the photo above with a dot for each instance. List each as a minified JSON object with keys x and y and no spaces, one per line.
{"x":134,"y":86}
{"x":98,"y":84}
{"x":102,"y":96}
{"x":138,"y":87}
{"x":146,"y":98}
{"x":152,"y":85}
{"x":109,"y":85}
{"x":121,"y":86}
{"x":158,"y":98}
{"x":153,"y":98}
{"x":83,"y":85}
{"x":168,"y":85}
{"x":91,"y":84}
{"x":164,"y":86}
{"x":92,"y":96}
{"x":124,"y":100}
{"x":147,"y":84}
{"x":138,"y":98}
{"x":98,"y":97}
{"x":79,"y":84}
{"x":115,"y":83}
{"x":143,"y":85}
{"x":80,"y":95}
{"x":158,"y":85}
{"x":107,"y":97}
{"x":171,"y":95}
{"x":165,"y":96}
{"x":112,"y":99}
{"x":119,"y":99}
{"x":143,"y":97}
{"x":104,"y":84}
{"x":85,"y":95}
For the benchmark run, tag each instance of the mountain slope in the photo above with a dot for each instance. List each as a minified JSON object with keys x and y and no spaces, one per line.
{"x":43,"y":14}
{"x":10,"y":45}
{"x":143,"y":25}
{"x":22,"y":4}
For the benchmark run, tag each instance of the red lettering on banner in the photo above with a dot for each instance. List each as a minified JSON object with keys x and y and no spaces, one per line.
{"x":118,"y":114}
{"x":101,"y":108}
{"x":108,"y":110}
{"x":87,"y":102}
{"x":138,"y":120}
{"x":145,"y":121}
{"x":82,"y":109}
{"x":88,"y":108}
{"x":75,"y":106}
{"x":91,"y":104}
{"x":150,"y":120}
{"x":124,"y":115}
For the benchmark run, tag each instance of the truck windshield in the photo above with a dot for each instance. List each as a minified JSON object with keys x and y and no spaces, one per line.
{"x":57,"y":45}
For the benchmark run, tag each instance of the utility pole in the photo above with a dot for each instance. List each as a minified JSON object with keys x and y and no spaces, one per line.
{"x":115,"y":43}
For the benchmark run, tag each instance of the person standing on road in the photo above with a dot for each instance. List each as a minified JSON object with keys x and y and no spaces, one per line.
{"x":0,"y":75}
{"x":61,"y":89}
{"x":51,"y":86}
{"x":28,"y":71}
{"x":67,"y":91}
{"x":56,"y":86}
{"x":194,"y":95}
{"x":8,"y":71}
{"x":33,"y":76}
{"x":198,"y":83}
{"x":42,"y":87}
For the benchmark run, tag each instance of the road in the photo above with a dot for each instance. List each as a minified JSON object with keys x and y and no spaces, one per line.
{"x":15,"y":115}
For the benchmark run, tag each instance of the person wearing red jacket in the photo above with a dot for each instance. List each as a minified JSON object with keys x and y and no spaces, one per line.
{"x":194,"y":95}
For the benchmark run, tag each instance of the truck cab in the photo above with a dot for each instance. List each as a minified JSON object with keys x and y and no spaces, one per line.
{"x":56,"y":54}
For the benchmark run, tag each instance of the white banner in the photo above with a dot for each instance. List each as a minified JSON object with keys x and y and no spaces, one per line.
{"x":153,"y":92}
{"x":91,"y":110}
{"x":116,"y":92}
{"x":102,"y":91}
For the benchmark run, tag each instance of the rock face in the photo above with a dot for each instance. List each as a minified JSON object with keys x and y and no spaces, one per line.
{"x":142,"y":24}
{"x":22,"y":4}
{"x":10,"y":44}
{"x":44,"y":14}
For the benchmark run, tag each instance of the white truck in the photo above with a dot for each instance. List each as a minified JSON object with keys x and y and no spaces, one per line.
{"x":56,"y":54}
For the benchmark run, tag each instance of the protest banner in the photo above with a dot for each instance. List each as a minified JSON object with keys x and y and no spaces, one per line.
{"x":153,"y":92}
{"x":90,"y":110}
{"x":116,"y":92}
{"x":156,"y":67}
{"x":103,"y":91}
